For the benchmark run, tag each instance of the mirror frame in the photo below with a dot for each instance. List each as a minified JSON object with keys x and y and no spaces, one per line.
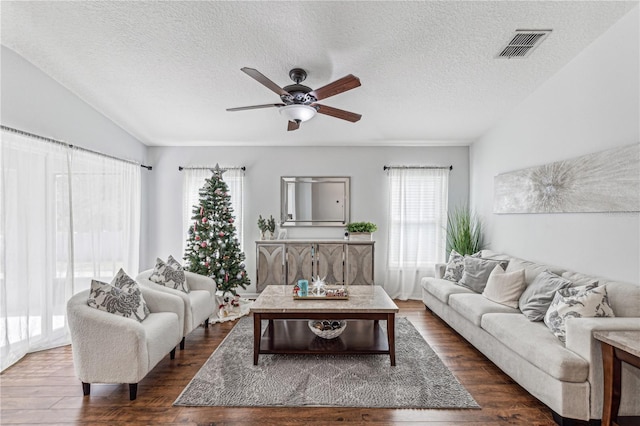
{"x":285,"y":221}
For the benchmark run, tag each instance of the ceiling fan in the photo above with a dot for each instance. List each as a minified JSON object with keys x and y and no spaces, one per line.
{"x":299,"y":102}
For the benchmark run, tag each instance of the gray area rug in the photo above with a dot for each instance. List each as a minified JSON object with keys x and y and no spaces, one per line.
{"x":419,"y":380}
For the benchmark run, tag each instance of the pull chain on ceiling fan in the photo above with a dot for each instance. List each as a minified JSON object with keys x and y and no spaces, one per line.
{"x":299,"y":102}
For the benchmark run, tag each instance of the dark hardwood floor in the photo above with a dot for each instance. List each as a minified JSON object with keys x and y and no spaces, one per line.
{"x":42,"y":389}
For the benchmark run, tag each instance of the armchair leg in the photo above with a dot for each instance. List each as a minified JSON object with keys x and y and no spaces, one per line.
{"x":133,"y":391}
{"x":172,"y":354}
{"x":182,"y":344}
{"x":206,"y":323}
{"x":86,"y":388}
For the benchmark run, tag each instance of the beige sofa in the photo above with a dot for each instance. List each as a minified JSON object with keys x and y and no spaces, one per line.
{"x":565,"y":377}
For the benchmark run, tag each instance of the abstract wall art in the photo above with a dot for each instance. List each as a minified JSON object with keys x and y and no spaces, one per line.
{"x":607,"y":181}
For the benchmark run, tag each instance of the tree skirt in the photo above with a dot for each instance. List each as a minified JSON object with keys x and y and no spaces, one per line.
{"x":226,"y":311}
{"x":419,"y":380}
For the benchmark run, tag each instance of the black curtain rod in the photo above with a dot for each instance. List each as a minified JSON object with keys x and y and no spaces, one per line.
{"x":43,"y":138}
{"x":180,"y":168}
{"x":416,"y":167}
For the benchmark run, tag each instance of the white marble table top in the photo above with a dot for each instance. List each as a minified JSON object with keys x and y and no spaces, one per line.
{"x":628,"y":341}
{"x":362,"y":298}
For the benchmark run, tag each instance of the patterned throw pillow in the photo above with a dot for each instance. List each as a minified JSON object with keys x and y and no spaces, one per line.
{"x":121,"y":297}
{"x":455,"y":266}
{"x":589,"y":301}
{"x":170,"y":274}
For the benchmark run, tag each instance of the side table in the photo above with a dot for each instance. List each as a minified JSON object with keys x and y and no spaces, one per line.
{"x":617,"y":346}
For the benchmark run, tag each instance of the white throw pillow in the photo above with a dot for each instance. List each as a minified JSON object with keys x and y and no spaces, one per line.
{"x":588,"y":301}
{"x":505,"y":288}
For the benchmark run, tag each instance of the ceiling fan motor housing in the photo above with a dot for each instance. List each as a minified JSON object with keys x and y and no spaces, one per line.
{"x":298,"y":94}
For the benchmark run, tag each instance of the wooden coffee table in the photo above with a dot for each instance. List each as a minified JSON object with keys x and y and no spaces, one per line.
{"x":288,"y":332}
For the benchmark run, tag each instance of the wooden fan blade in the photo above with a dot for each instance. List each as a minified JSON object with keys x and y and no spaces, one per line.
{"x":293,"y":126}
{"x":337,"y":113}
{"x":255,"y":107}
{"x":342,"y":85}
{"x":260,"y":78}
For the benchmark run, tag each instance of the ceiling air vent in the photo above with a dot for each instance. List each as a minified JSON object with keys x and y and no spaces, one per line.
{"x":523,"y":43}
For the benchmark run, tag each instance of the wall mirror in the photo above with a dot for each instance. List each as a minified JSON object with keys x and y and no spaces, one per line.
{"x":314,"y":201}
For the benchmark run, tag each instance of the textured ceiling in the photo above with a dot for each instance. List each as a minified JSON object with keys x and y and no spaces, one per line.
{"x":166,"y":71}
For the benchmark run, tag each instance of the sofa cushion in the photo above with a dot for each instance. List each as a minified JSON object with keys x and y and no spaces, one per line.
{"x":537,"y":297}
{"x":531,"y":269}
{"x":441,"y":289}
{"x":488,"y":254}
{"x":533,"y":342}
{"x":473,"y":306}
{"x":577,"y":302}
{"x":624,"y":298}
{"x":505,"y":287}
{"x":579,"y":279}
{"x":476,"y":272}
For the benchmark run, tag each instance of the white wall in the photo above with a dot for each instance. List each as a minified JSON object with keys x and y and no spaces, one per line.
{"x":265,"y":166}
{"x":34,"y":102}
{"x":592,"y":104}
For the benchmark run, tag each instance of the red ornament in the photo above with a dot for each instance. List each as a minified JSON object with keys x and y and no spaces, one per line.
{"x":221,"y":234}
{"x":204,"y":220}
{"x":231,"y":220}
{"x":197,"y":237}
{"x":203,"y":244}
{"x":206,"y":264}
{"x":226,"y":277}
{"x":201,"y":210}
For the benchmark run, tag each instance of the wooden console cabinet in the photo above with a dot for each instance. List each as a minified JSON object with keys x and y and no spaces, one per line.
{"x":287,"y":261}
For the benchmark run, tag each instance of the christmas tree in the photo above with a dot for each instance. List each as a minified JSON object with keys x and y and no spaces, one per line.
{"x":212,"y":246}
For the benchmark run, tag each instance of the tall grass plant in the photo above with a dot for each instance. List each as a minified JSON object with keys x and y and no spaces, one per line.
{"x":464,"y":231}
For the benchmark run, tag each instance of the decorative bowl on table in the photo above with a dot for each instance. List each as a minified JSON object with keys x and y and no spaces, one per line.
{"x":327,"y":329}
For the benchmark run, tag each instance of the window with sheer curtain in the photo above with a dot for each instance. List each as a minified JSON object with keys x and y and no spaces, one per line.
{"x":193,"y":180}
{"x":67,"y":216}
{"x":418,"y":199}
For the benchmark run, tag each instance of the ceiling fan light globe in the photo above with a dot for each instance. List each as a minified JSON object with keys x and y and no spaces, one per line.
{"x":298,"y":113}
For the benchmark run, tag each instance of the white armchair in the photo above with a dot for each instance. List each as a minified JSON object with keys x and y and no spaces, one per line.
{"x":199,"y":303}
{"x":109,"y":348}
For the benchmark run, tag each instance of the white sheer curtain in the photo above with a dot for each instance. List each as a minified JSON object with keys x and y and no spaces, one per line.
{"x":106,"y":217}
{"x":193,"y":180}
{"x":418,"y":199}
{"x":54,"y":199}
{"x":35,"y":263}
